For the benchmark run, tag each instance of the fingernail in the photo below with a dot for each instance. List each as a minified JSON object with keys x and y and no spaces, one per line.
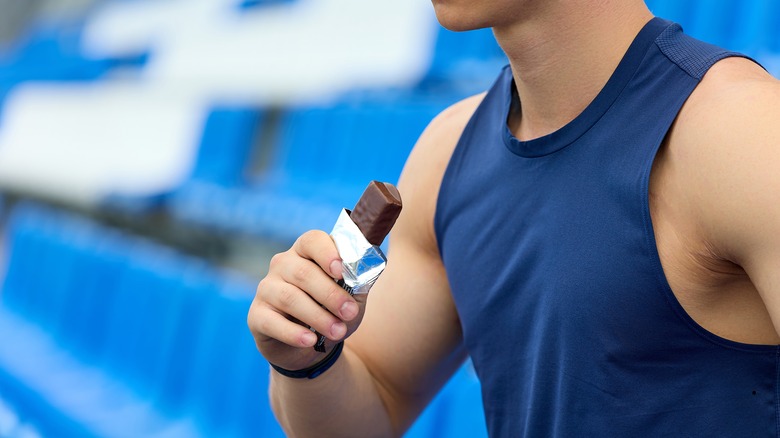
{"x":348,"y":310}
{"x":338,"y":330}
{"x":309,"y":338}
{"x":335,"y":268}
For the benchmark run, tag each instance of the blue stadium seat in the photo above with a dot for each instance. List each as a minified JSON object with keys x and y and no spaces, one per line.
{"x":746,"y":26}
{"x":455,"y":412}
{"x":680,"y":11}
{"x":329,"y":156}
{"x":226,"y":145}
{"x":18,"y":269}
{"x":25,"y":285}
{"x":176,"y":385}
{"x":323,"y":159}
{"x":86,"y":317}
{"x":224,"y":151}
{"x":126,"y":338}
{"x":234,"y":374}
{"x":52,"y":51}
{"x":717,"y":21}
{"x":464,"y":63}
{"x":142,"y":319}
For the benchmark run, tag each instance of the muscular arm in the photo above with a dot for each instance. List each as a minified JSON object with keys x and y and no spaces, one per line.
{"x":729,"y":148}
{"x":409,"y":341}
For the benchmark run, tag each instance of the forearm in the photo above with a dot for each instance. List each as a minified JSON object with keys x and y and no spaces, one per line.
{"x":344,"y":401}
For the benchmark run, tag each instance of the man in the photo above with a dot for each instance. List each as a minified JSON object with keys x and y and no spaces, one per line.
{"x":595,"y":297}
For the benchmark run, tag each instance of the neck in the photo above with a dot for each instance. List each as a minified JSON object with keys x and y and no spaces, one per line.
{"x":562,"y":58}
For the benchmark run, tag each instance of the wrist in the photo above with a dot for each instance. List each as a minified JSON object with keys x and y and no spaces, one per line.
{"x":313,"y":371}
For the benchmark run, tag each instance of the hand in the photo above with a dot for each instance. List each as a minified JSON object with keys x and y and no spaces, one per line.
{"x":299,"y":292}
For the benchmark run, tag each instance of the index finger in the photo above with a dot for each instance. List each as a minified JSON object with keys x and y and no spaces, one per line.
{"x":318,"y":246}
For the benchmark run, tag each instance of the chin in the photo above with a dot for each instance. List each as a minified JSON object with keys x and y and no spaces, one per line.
{"x":454,"y":19}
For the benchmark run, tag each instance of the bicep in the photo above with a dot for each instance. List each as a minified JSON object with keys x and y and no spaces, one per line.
{"x":410,"y":339}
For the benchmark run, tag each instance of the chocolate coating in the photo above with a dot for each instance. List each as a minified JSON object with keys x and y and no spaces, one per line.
{"x":376,"y":211}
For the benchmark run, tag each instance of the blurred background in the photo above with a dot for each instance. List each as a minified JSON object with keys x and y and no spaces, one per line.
{"x":155,"y":153}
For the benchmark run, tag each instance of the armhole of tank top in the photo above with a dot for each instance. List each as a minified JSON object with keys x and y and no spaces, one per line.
{"x":652,"y":246}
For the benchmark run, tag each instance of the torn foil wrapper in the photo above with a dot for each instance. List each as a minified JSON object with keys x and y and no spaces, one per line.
{"x":362,"y":261}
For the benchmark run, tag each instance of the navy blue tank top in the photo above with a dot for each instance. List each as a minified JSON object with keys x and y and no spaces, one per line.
{"x":550,"y":253}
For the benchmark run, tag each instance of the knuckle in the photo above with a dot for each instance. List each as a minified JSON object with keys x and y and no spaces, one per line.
{"x":276,"y":260}
{"x":287,"y":298}
{"x":304,"y":241}
{"x":261,"y":292}
{"x":310,"y":238}
{"x":301,"y":273}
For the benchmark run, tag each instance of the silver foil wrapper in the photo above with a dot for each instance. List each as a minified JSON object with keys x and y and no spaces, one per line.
{"x":362,"y":261}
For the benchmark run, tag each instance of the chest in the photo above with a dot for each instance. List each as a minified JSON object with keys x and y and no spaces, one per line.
{"x":552,"y":249}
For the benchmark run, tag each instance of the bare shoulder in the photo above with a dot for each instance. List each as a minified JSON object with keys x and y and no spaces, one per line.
{"x":725,"y":145}
{"x":734,"y":97}
{"x":425,"y":167}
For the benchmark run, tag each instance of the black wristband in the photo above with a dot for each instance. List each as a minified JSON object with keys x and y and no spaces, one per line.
{"x":315,"y":370}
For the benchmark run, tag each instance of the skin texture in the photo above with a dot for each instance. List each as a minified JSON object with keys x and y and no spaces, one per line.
{"x":713,"y":201}
{"x":713,"y":197}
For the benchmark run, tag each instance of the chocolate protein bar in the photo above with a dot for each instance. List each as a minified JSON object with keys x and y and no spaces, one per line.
{"x":376,"y":211}
{"x":358,"y":234}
